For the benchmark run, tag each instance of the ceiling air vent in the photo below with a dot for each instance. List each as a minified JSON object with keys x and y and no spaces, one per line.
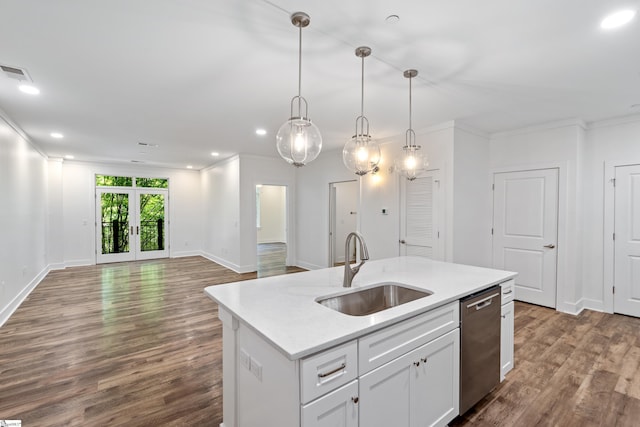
{"x":16,"y":73}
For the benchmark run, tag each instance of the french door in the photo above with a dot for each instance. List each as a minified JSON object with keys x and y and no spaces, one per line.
{"x":131,"y":224}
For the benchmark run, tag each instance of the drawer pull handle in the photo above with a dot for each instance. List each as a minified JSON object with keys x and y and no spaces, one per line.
{"x":338,"y":369}
{"x":424,"y":360}
{"x":355,"y":400}
{"x":508,"y":292}
{"x":416,"y":363}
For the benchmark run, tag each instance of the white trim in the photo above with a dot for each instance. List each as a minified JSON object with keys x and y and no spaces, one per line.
{"x":541,"y":127}
{"x":615,"y":121}
{"x":592,"y":304}
{"x":79,"y":263}
{"x":309,"y":266}
{"x":16,"y":302}
{"x":231,"y":266}
{"x":184,"y":254}
{"x":13,"y":125}
{"x":575,"y":308}
{"x":563,"y":269}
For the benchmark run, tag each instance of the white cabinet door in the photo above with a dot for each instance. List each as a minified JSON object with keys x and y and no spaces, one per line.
{"x":626,"y":298}
{"x":435,"y":381}
{"x":336,"y":409}
{"x":408,"y":391}
{"x":525,"y":232}
{"x":506,"y":340}
{"x":384,"y":394}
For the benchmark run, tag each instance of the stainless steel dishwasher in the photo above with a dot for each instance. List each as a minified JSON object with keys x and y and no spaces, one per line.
{"x":479,"y":346}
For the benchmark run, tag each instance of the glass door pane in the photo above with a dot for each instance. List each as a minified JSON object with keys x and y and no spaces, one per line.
{"x":152,"y":231}
{"x":115,"y":224}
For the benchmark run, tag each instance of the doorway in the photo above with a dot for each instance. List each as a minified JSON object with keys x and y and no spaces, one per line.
{"x":421,"y":216}
{"x":271,"y":229}
{"x":343,"y":219}
{"x":131,"y":222}
{"x":525,"y":231}
{"x":626,"y":241}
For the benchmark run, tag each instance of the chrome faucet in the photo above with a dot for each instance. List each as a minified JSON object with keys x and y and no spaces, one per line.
{"x":349,"y":272}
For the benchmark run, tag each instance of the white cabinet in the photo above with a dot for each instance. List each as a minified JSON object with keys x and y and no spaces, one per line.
{"x":506,"y":340}
{"x":419,"y":388}
{"x":338,"y":408}
{"x":506,"y":328}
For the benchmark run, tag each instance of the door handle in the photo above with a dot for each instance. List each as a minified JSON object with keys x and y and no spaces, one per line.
{"x":137,"y":229}
{"x":403,"y":241}
{"x":132,"y":230}
{"x":550,"y":246}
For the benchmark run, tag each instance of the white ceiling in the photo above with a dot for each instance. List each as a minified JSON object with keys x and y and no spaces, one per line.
{"x":196,"y":76}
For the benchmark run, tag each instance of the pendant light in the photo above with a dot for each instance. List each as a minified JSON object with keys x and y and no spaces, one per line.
{"x":298,"y":140}
{"x":413,"y":162}
{"x":361,"y":155}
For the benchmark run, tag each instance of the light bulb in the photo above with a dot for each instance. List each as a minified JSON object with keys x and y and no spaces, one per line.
{"x":299,"y":142}
{"x":410,"y":162}
{"x":363,"y":154}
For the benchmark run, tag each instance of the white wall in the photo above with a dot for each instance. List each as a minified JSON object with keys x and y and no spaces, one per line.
{"x":615,"y":142}
{"x":273,"y":214}
{"x":221,"y":213}
{"x":23,"y":218}
{"x":78,"y":208}
{"x":312,"y":207}
{"x":472,"y":198}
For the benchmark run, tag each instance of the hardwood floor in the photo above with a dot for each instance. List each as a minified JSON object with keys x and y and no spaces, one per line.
{"x":139,"y":344}
{"x":272,"y":259}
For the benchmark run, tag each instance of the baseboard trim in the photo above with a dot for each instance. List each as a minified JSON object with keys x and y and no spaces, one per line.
{"x":79,"y":263}
{"x":231,"y":266}
{"x":15,"y":303}
{"x":184,"y":254}
{"x":593,"y":304}
{"x":309,"y":266}
{"x":573,"y":308}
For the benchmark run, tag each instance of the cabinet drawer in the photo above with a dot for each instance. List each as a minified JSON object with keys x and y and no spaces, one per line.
{"x":328,"y":370}
{"x":508,"y":291}
{"x":380,"y":347}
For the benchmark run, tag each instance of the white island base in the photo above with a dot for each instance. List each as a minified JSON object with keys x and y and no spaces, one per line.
{"x":399,"y":367}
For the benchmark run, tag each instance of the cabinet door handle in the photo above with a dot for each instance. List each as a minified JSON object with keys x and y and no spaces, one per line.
{"x":550,"y":246}
{"x":424,"y":360}
{"x":403,"y":241}
{"x":355,"y":400}
{"x":338,"y":369}
{"x":417,"y":363}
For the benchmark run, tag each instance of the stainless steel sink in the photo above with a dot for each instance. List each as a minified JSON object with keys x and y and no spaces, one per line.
{"x":373,"y":299}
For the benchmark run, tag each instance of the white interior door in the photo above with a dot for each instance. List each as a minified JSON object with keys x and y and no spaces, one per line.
{"x":525,"y":232}
{"x":626,"y":298}
{"x":343,"y":218}
{"x":421,"y":216}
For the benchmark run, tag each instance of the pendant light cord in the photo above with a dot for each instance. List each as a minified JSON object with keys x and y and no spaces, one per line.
{"x":300,"y":71}
{"x":410,"y":112}
{"x":362,"y":90}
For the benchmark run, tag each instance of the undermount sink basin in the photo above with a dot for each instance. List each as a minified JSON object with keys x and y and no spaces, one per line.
{"x":373,"y":299}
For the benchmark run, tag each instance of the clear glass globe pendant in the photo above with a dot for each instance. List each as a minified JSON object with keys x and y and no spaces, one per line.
{"x":298,"y":140}
{"x":413,"y":162}
{"x":361,"y":154}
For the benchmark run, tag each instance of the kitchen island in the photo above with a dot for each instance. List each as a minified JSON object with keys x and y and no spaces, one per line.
{"x":290,"y":361}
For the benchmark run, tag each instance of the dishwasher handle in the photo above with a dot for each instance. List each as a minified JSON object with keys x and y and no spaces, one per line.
{"x":484,"y":302}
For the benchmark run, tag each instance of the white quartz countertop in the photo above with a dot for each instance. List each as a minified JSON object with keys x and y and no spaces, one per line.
{"x":283,"y":309}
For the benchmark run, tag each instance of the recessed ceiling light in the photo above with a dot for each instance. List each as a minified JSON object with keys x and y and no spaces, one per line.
{"x":617,"y":19}
{"x":215,"y":154}
{"x":31,"y":90}
{"x":189,"y":167}
{"x":261,"y":132}
{"x":69,"y":156}
{"x":56,"y":135}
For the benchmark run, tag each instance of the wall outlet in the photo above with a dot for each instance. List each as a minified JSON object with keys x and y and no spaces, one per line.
{"x":256,"y":368}
{"x":245,"y":359}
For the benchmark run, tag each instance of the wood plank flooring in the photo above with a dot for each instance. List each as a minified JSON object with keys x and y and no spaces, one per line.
{"x":139,"y":344}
